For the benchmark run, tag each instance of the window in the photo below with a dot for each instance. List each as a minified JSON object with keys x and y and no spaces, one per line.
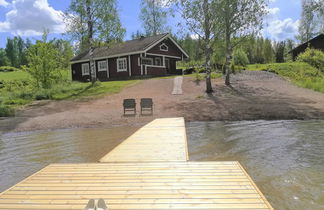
{"x":85,"y":69}
{"x":121,"y":64}
{"x":147,"y":61}
{"x":164,"y":47}
{"x":102,"y":66}
{"x":158,"y":62}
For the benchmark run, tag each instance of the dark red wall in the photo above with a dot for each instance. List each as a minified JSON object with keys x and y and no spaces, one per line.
{"x":136,"y":70}
{"x":101,"y":75}
{"x":173,"y":50}
{"x":77,"y":72}
{"x":156,"y":71}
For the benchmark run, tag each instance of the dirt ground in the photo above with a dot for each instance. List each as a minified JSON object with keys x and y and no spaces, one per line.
{"x":252,"y":96}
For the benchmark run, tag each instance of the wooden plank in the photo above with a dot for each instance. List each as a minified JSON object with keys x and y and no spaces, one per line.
{"x":160,"y":140}
{"x":169,"y":185}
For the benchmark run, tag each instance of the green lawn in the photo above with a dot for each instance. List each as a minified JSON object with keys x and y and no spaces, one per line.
{"x":14,"y":75}
{"x":300,"y":74}
{"x":16,"y":89}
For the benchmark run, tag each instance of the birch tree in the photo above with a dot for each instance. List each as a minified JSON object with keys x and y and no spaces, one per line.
{"x":199,"y":16}
{"x":237,"y":18}
{"x":153,"y":16}
{"x":312,"y":19}
{"x":97,"y":20}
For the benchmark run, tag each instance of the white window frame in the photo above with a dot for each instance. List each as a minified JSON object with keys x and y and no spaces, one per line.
{"x":165,"y":50}
{"x":158,"y":58}
{"x":145,"y":58}
{"x":124,"y":60}
{"x":104,"y":63}
{"x":84,"y":73}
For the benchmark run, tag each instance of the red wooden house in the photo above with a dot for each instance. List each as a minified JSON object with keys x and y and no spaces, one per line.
{"x":146,"y":56}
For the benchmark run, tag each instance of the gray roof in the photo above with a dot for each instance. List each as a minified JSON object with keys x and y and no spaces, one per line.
{"x":125,"y":47}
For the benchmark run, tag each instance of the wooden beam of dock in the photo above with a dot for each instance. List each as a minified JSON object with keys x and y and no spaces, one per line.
{"x":160,"y":140}
{"x":155,"y":185}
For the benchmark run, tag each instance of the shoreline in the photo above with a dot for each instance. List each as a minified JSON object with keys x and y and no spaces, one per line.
{"x":252,"y":96}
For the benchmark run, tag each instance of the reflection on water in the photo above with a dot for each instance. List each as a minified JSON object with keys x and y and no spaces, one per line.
{"x":284,"y":158}
{"x":22,"y":154}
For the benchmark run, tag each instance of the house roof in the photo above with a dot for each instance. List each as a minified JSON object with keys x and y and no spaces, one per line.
{"x":305,"y":44}
{"x":127,"y":47}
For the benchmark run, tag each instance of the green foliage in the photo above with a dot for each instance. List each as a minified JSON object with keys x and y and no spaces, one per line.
{"x":15,"y":52}
{"x":311,"y":21}
{"x":95,"y":19}
{"x":313,"y":57}
{"x":280,"y":51}
{"x":240,"y":58}
{"x":153,"y":17}
{"x":8,"y":69}
{"x":44,"y":64}
{"x":302,"y":74}
{"x":65,"y":50}
{"x":6,"y":111}
{"x":4,"y":61}
{"x":192,"y":46}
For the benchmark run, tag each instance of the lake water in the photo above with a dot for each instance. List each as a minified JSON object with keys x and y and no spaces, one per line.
{"x":284,"y":158}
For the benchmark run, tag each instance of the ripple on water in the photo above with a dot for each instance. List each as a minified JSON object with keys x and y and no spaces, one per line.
{"x":285,"y":158}
{"x":22,"y":154}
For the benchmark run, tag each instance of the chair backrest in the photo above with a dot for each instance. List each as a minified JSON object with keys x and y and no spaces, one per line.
{"x":129,"y":103}
{"x":146,"y":102}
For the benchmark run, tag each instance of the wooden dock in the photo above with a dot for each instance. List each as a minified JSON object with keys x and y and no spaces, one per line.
{"x":152,"y":183}
{"x":168,"y":185}
{"x":160,"y":140}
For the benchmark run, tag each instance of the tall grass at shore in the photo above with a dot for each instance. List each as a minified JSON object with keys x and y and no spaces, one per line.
{"x":301,"y":74}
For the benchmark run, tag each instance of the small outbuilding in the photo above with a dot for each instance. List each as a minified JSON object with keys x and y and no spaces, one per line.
{"x":146,"y":56}
{"x":316,"y":43}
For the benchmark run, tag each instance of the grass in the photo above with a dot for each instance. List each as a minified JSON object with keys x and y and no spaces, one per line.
{"x":16,"y":89}
{"x":14,"y":75}
{"x":79,"y":90}
{"x":301,"y":74}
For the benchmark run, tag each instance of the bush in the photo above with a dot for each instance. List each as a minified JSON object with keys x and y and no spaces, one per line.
{"x":14,"y":85}
{"x":313,"y":57}
{"x":43,"y":94}
{"x":240,"y":58}
{"x":6,"y":111}
{"x":8,"y":69}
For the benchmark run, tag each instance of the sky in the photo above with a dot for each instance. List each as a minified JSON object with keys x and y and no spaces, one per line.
{"x":29,"y":18}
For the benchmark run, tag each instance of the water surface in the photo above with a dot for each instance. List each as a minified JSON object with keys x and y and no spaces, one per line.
{"x":22,"y":154}
{"x":284,"y":158}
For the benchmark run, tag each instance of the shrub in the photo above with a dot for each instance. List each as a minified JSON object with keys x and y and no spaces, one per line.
{"x":44,"y":64}
{"x":6,"y":111}
{"x":313,"y":57}
{"x":240,"y":58}
{"x":42,"y":94}
{"x":14,"y":85}
{"x":8,"y":68}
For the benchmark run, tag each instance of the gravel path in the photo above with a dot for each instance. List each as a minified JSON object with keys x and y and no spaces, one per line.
{"x":252,"y":96}
{"x":177,"y":85}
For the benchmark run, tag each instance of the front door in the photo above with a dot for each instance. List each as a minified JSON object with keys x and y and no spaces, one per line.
{"x":167,"y":65}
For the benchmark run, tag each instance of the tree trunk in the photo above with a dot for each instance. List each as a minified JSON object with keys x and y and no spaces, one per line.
{"x":228,"y":51}
{"x":90,"y":42}
{"x":209,"y":88}
{"x":208,"y":50}
{"x":227,"y":66}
